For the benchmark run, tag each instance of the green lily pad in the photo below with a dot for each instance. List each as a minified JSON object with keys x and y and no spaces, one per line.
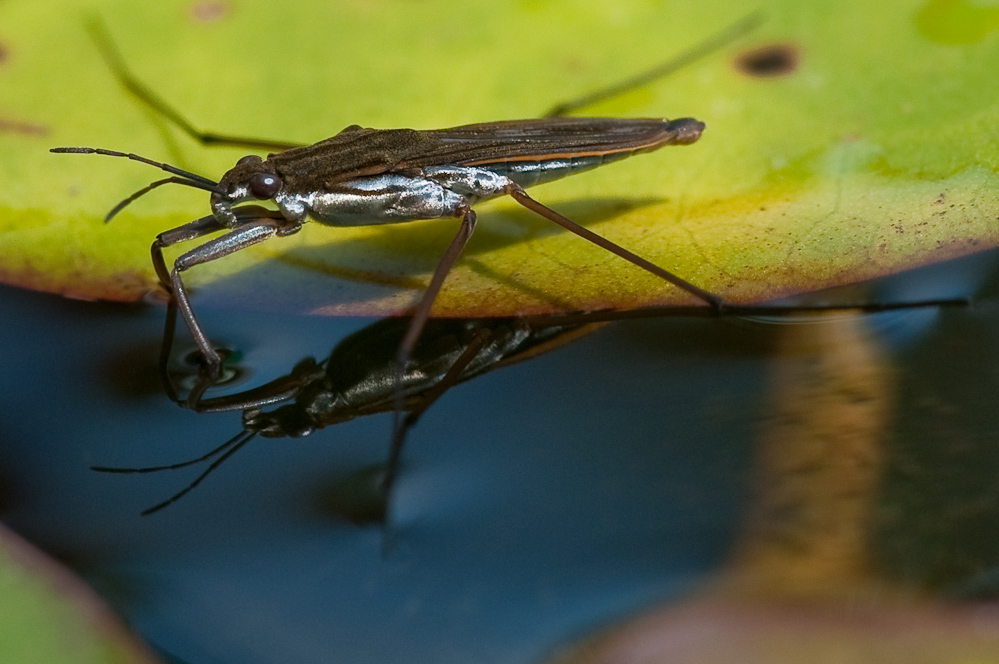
{"x":844,"y":142}
{"x":51,"y":616}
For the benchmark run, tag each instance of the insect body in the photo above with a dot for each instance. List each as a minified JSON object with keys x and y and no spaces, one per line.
{"x":371,"y":176}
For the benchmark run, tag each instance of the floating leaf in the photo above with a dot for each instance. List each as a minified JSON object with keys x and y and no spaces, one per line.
{"x":843,"y":142}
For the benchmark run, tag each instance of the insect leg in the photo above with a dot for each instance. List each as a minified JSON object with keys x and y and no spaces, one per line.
{"x":190,"y":231}
{"x":166,"y":347}
{"x":196,"y":229}
{"x":518,"y":194}
{"x":244,"y":236}
{"x":422,"y":312}
{"x":450,"y":379}
{"x":150,"y":99}
{"x":695,"y":53}
{"x":444,"y":266}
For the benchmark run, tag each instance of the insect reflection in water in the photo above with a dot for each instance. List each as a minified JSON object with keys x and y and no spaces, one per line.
{"x":360,"y":377}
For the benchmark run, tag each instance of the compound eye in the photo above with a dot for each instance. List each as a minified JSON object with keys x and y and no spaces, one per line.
{"x":264,"y":185}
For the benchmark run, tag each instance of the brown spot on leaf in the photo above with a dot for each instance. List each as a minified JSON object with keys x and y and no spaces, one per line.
{"x":8,"y":126}
{"x":4,"y":54}
{"x":209,"y":11}
{"x":770,"y":60}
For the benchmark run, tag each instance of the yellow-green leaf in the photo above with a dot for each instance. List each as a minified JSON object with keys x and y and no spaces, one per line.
{"x":844,"y":141}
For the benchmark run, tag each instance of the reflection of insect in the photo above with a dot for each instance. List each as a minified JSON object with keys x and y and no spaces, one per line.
{"x":359,"y":378}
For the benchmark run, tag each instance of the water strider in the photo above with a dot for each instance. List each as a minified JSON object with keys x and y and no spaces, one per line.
{"x":383,"y":176}
{"x":365,"y":176}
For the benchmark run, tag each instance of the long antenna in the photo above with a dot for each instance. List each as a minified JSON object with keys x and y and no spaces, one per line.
{"x":181,"y":176}
{"x":209,"y":184}
{"x":229,"y":448}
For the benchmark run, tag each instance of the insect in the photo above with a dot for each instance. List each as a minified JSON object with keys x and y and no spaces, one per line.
{"x":358,"y":379}
{"x":381,"y":176}
{"x":367,"y":176}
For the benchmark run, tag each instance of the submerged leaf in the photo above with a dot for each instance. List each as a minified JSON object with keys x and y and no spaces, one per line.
{"x":843,"y":142}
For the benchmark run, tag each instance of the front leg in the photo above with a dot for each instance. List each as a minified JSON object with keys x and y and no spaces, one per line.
{"x":244,"y":236}
{"x":195,"y":229}
{"x":190,"y":231}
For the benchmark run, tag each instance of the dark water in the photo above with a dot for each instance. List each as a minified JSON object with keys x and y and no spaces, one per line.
{"x":534,"y":503}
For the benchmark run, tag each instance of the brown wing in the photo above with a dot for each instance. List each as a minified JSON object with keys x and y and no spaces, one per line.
{"x":554,"y":138}
{"x":358,"y":152}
